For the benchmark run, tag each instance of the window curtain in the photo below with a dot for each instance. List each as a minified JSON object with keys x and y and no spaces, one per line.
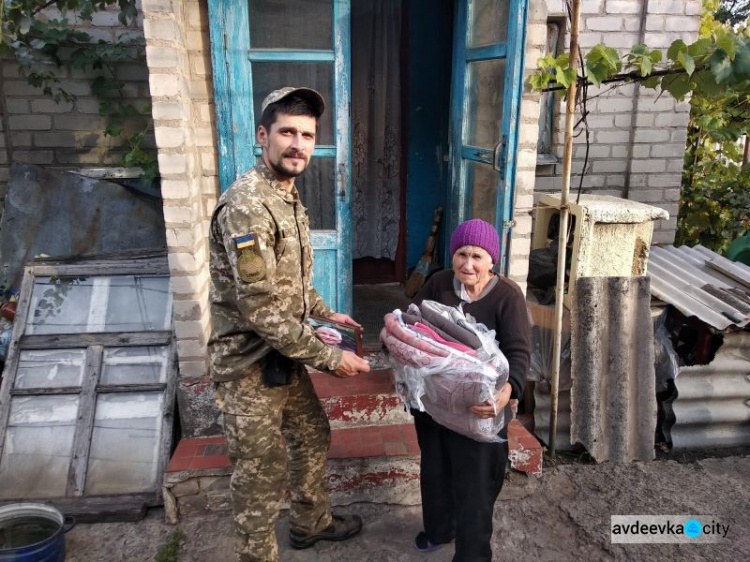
{"x":376,"y":122}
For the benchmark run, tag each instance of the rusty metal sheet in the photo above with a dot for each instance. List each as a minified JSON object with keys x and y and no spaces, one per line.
{"x":64,"y":214}
{"x":613,"y":399}
{"x":701,"y":283}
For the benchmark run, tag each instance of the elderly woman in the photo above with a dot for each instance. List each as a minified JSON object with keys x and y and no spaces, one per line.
{"x":461,"y":478}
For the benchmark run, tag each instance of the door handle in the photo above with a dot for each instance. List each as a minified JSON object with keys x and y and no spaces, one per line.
{"x":498,"y":161}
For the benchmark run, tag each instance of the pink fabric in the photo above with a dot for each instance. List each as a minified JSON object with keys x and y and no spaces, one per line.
{"x":427,"y":331}
{"x":408,"y":355}
{"x":393,"y":327}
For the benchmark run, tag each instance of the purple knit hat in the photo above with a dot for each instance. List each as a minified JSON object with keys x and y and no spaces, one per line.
{"x":476,"y":232}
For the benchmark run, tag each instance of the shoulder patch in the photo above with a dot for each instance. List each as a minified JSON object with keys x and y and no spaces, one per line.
{"x":251,"y":266}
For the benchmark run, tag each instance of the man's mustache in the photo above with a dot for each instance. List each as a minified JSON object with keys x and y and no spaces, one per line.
{"x":294,"y":154}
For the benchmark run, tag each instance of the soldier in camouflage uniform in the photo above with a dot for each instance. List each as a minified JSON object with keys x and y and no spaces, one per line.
{"x":261,"y":294}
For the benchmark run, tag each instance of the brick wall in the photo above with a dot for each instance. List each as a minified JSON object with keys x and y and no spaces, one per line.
{"x":178,"y":54}
{"x":37,"y":130}
{"x":637,"y":140}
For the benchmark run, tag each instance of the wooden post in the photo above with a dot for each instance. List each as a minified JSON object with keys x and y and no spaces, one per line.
{"x":570,"y":109}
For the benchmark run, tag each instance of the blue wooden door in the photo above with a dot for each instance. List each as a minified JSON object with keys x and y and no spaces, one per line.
{"x":258,"y":46}
{"x":485,"y":103}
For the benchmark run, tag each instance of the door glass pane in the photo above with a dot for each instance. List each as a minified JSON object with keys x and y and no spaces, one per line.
{"x":270,"y":76}
{"x":125,"y":443}
{"x":137,"y":304}
{"x":482,"y":182}
{"x":317,"y":191}
{"x":291,"y":24}
{"x":134,"y":365}
{"x":38,"y":446}
{"x":50,"y":368}
{"x":488,"y":22}
{"x":486,"y":85}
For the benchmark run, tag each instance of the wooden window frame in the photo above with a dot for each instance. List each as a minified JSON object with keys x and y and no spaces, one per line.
{"x":75,"y":501}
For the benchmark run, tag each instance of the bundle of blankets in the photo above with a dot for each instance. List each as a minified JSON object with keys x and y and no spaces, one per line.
{"x":444,"y":362}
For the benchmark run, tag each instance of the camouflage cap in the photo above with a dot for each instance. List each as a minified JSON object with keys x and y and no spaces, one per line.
{"x":308,"y":94}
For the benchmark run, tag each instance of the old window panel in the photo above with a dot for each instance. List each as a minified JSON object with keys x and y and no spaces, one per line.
{"x":89,"y":387}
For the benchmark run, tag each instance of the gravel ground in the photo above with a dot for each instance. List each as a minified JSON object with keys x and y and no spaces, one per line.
{"x":564,"y":515}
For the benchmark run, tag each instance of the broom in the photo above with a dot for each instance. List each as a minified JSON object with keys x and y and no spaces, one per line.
{"x":419,"y":275}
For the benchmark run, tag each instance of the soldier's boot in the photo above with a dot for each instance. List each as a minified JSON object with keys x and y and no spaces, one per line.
{"x":341,"y":528}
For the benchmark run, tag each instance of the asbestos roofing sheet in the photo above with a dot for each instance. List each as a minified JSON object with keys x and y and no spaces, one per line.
{"x":701,"y":283}
{"x":613,"y":400}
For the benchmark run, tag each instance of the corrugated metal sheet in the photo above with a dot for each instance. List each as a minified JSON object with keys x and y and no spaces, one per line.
{"x":712,"y":408}
{"x":613,"y":400}
{"x":701,"y":283}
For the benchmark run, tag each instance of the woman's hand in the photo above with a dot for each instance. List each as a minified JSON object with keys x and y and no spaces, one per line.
{"x":485,"y":410}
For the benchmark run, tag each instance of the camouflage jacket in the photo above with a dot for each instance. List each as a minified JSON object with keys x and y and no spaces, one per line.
{"x":261,"y":279}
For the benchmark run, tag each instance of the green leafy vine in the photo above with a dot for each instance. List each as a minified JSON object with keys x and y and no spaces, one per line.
{"x":41,"y":45}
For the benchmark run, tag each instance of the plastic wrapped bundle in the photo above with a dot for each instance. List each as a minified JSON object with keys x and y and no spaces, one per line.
{"x":439,"y":379}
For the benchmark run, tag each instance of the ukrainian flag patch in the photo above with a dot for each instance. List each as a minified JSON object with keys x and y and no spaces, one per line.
{"x":246,"y":241}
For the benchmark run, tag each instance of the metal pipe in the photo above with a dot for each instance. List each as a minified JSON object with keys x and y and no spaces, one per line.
{"x":570,"y":109}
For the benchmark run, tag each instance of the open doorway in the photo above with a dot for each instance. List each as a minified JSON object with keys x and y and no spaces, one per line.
{"x":401,"y":72}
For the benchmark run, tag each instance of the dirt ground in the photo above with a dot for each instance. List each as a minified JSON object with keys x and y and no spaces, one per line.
{"x":564,"y":515}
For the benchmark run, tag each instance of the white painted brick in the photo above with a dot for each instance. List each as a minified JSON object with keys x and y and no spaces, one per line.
{"x":179,"y":237}
{"x":621,"y":40}
{"x":623,"y":7}
{"x":646,"y":195}
{"x":657,"y":40}
{"x":157,"y":6}
{"x":105,"y":19}
{"x":655,"y":23}
{"x":85,"y":122}
{"x":167,"y":110}
{"x":162,"y":57}
{"x":639,"y":151}
{"x":172,"y":163}
{"x":638,"y":180}
{"x":693,"y":7}
{"x":620,"y":151}
{"x":612,"y":137}
{"x":169,"y":137}
{"x":164,"y":85}
{"x":30,"y":122}
{"x":681,"y":23}
{"x":185,"y":284}
{"x":204,"y":136}
{"x":604,"y":23}
{"x":160,"y":30}
{"x":664,"y":180}
{"x":665,"y":103}
{"x":20,"y":106}
{"x":595,"y":151}
{"x":536,"y":34}
{"x":668,"y":150}
{"x":191,"y":348}
{"x":680,"y":135}
{"x":193,"y":369}
{"x":101,"y":34}
{"x":589,"y":39}
{"x":666,"y":6}
{"x":675,"y":165}
{"x":54,"y":140}
{"x":672,"y":195}
{"x":175,"y":189}
{"x":49,"y":106}
{"x":623,"y":120}
{"x":608,"y":166}
{"x":632,"y":23}
{"x":615,"y":105}
{"x":519,"y":268}
{"x":671,"y":120}
{"x":601,"y":121}
{"x":180,"y":263}
{"x":644,"y":119}
{"x":682,"y":107}
{"x":592,"y":6}
{"x":208,"y":162}
{"x":650,"y":165}
{"x":174,"y":215}
{"x":33,"y":156}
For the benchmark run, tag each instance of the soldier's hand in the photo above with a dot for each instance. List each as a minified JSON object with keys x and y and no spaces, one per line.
{"x":344,"y":319}
{"x":351,"y":365}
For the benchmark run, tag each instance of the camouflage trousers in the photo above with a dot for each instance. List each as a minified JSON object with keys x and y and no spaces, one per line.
{"x":275,"y":436}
